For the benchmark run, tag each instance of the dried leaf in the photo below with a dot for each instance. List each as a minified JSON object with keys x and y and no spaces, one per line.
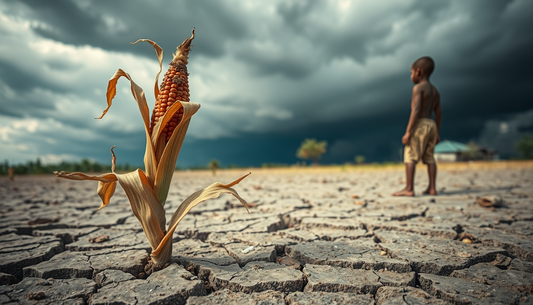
{"x":106,"y":190}
{"x":145,"y":205}
{"x":210,"y":192}
{"x":150,"y":162}
{"x":109,"y":177}
{"x":167,"y":163}
{"x":159,"y":53}
{"x":490,"y":201}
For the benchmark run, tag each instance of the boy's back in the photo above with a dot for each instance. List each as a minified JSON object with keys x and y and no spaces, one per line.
{"x":429,"y":99}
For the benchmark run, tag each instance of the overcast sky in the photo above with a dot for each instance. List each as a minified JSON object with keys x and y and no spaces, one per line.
{"x":268,"y":74}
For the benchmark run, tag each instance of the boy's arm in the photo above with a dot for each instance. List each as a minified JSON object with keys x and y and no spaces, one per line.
{"x":416,"y":102}
{"x":438,"y":116}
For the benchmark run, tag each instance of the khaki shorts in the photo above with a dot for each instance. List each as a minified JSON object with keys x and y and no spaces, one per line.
{"x":422,"y":142}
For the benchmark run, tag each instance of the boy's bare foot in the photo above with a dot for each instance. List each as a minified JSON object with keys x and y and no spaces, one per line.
{"x":429,"y":192}
{"x":404,"y":192}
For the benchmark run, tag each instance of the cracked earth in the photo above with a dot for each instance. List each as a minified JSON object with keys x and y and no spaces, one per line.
{"x":312,"y":237}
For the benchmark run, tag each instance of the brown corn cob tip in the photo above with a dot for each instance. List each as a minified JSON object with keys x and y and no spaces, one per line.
{"x":175,"y":87}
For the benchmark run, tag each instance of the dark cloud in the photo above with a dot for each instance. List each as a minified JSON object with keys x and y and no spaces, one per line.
{"x":62,"y":20}
{"x":112,"y":25}
{"x":336,"y":73}
{"x":23,"y":80}
{"x":503,"y":133}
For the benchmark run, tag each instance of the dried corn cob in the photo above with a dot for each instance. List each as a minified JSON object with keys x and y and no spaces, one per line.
{"x":175,"y":87}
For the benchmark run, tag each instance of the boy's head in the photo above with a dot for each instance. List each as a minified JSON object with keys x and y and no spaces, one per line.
{"x":422,"y":68}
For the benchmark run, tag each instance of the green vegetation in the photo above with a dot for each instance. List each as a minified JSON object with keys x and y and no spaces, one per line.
{"x":359,"y":159}
{"x":85,"y":165}
{"x":273,"y":165}
{"x":525,"y":147}
{"x":311,"y":149}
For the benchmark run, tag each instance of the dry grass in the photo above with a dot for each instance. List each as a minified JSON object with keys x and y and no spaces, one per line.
{"x":453,"y":166}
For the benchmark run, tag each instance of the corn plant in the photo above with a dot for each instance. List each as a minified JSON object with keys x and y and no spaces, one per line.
{"x":165,"y":131}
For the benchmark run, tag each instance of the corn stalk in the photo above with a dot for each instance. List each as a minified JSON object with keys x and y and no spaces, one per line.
{"x":165,"y":132}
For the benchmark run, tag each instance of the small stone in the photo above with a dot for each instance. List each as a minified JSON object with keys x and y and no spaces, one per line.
{"x":289,"y":262}
{"x":36,"y":295}
{"x":383,"y":253}
{"x":99,"y":239}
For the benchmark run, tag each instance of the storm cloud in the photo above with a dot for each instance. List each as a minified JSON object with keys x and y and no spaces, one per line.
{"x":267,"y":74}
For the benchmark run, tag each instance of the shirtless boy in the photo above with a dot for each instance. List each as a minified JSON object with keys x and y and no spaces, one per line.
{"x":422,"y":131}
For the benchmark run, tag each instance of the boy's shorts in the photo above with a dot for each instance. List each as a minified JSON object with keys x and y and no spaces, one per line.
{"x":422,"y":142}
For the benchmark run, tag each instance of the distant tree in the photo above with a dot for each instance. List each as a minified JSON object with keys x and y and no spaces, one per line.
{"x":359,"y":159}
{"x":85,"y":165}
{"x":213,"y":165}
{"x":472,"y":150}
{"x":311,"y":149}
{"x":97,"y":167}
{"x":270,"y":165}
{"x":4,"y":167}
{"x":37,"y":167}
{"x":525,"y":147}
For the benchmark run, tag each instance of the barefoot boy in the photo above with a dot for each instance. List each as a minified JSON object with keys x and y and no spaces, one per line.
{"x":422,"y":131}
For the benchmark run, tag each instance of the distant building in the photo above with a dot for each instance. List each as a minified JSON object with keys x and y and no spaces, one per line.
{"x":450,"y":151}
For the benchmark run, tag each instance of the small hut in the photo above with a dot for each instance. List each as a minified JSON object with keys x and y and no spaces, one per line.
{"x":450,"y":151}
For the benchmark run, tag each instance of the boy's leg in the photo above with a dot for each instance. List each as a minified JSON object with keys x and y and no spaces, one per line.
{"x":429,"y":160}
{"x":410,"y":177}
{"x":432,"y":175}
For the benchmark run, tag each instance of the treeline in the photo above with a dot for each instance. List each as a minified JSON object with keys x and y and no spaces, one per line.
{"x":84,"y":166}
{"x":207,"y":167}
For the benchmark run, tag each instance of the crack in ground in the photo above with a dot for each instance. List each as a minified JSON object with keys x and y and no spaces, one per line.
{"x":379,"y":277}
{"x":403,"y":298}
